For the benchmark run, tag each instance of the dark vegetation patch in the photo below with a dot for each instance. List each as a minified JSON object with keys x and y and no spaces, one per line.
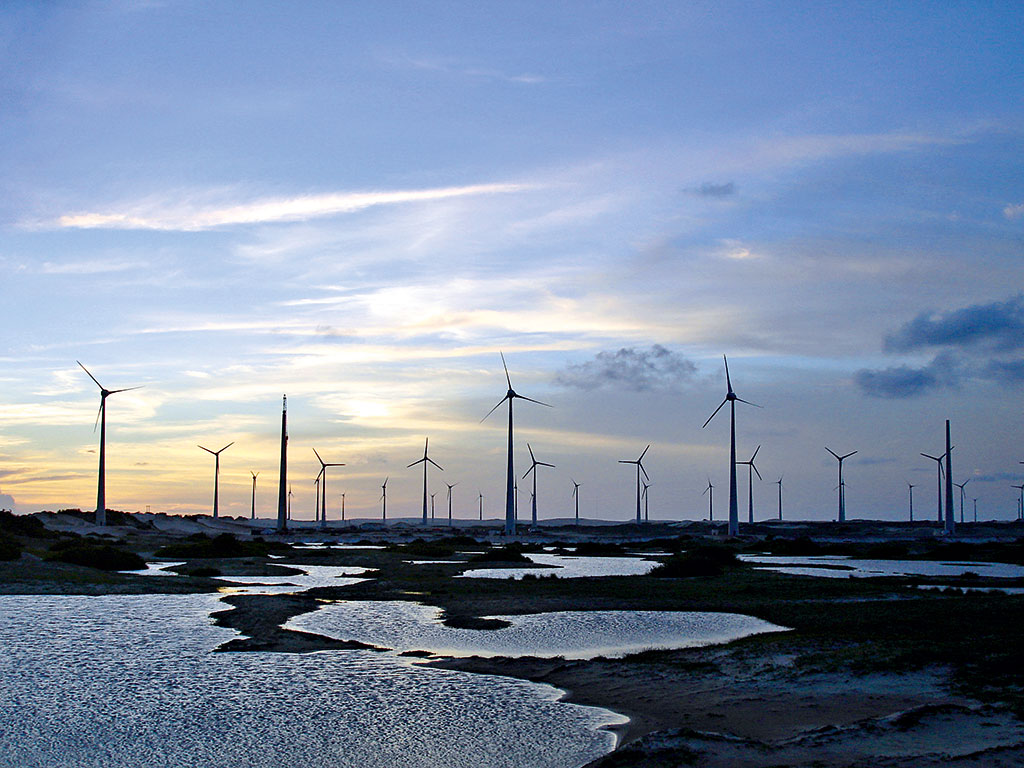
{"x":199,"y":545}
{"x":702,"y":560}
{"x":10,"y":549}
{"x":510,"y":553}
{"x":23,"y":525}
{"x":445,"y":547}
{"x":203,"y":571}
{"x":92,"y":555}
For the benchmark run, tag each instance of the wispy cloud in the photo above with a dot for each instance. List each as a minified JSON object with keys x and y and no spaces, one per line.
{"x":999,"y":324}
{"x":453,"y":67}
{"x":162,"y":215}
{"x":630,"y":368}
{"x":94,"y":267}
{"x":1014,"y":211}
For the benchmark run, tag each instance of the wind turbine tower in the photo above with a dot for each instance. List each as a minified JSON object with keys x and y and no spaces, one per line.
{"x":216,"y":475}
{"x":1020,"y":502}
{"x":323,"y":487}
{"x":101,"y":417}
{"x":533,"y":468}
{"x":910,"y":487}
{"x":576,"y":496}
{"x":510,"y":474}
{"x":842,"y":486}
{"x":639,"y":469}
{"x":284,"y":497}
{"x":482,"y":506}
{"x":384,"y":499}
{"x":961,"y":487}
{"x":450,"y":486}
{"x":950,"y":519}
{"x":779,"y":483}
{"x":425,"y":461}
{"x":731,"y":398}
{"x":647,"y":517}
{"x":710,"y":490}
{"x":254,"y":476}
{"x":750,"y":484}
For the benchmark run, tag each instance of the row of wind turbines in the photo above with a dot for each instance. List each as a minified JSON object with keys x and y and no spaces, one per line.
{"x":511,"y":495}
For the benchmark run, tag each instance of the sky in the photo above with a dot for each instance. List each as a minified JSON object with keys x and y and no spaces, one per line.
{"x":360,"y":205}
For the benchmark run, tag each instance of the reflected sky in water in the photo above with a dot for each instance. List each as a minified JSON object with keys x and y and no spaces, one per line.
{"x":569,"y":567}
{"x":841,"y":567}
{"x":130,"y":680}
{"x":404,"y":626}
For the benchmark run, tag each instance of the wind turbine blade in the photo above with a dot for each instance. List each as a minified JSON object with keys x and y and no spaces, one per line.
{"x":90,"y":375}
{"x":544,"y":464}
{"x":103,"y":403}
{"x":715,"y":413}
{"x":206,"y":449}
{"x":728,"y":381}
{"x":505,"y":366}
{"x":528,"y":471}
{"x":435,"y":464}
{"x":849,"y":455}
{"x":226,"y":447}
{"x":318,"y":456}
{"x":323,"y":470}
{"x":832,"y":452}
{"x":756,"y":472}
{"x":623,"y":461}
{"x":643,"y":470}
{"x":426,"y":443}
{"x":645,"y":452}
{"x":933,"y":458}
{"x":755,"y":454}
{"x":418,"y":461}
{"x":741,"y":400}
{"x":530,"y":399}
{"x":494,"y":408}
{"x":531,"y":453}
{"x":126,"y":389}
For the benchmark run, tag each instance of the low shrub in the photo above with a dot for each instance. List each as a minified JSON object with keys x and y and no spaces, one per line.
{"x":9,"y":548}
{"x":510,"y":553}
{"x":199,"y":546}
{"x":101,"y":556}
{"x":705,"y":560}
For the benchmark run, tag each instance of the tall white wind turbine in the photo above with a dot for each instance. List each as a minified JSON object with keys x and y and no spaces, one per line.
{"x":842,"y":486}
{"x":510,"y":474}
{"x":101,"y":417}
{"x":639,"y":469}
{"x":779,"y":483}
{"x":425,"y":461}
{"x":216,"y":475}
{"x":961,"y":487}
{"x":731,"y":398}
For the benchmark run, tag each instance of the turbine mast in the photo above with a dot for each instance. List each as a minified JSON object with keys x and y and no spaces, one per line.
{"x":282,"y":478}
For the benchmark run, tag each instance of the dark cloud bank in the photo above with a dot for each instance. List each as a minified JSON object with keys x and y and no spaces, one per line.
{"x":631,"y":368}
{"x":980,"y":341}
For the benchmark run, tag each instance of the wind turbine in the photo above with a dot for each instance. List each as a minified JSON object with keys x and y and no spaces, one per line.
{"x":730,"y":397}
{"x":384,"y":499}
{"x":316,"y":497}
{"x":961,"y":487}
{"x":938,"y":460}
{"x":290,"y":494}
{"x":779,"y":483}
{"x":510,"y":514}
{"x":1020,"y":503}
{"x":425,"y":461}
{"x":533,"y":468}
{"x":216,"y":473}
{"x":950,"y":527}
{"x":576,"y":496}
{"x":647,"y":517}
{"x":750,"y":484}
{"x":254,"y":476}
{"x":101,"y":417}
{"x":343,"y":507}
{"x":450,"y":486}
{"x":975,"y":509}
{"x":842,"y":485}
{"x":432,"y":504}
{"x":323,"y":488}
{"x":711,"y":500}
{"x":481,"y":506}
{"x":910,"y":487}
{"x":639,"y":469}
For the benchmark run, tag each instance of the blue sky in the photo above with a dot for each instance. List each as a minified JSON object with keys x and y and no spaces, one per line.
{"x":360,"y":204}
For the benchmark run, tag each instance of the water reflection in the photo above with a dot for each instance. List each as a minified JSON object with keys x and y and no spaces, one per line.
{"x":130,"y":680}
{"x":405,"y":626}
{"x":568,"y":567}
{"x":842,"y":567}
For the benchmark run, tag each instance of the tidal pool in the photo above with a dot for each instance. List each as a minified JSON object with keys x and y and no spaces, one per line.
{"x":568,"y":567}
{"x":842,"y":567}
{"x":404,"y":626}
{"x":131,"y":680}
{"x":312,"y":576}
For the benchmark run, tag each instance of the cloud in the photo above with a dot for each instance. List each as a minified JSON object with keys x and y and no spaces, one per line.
{"x":6,"y":502}
{"x":999,"y":324}
{"x":1014,"y":211}
{"x":629,"y":368}
{"x":903,"y":381}
{"x":710,"y":189}
{"x":157,"y":215}
{"x":1005,"y":371}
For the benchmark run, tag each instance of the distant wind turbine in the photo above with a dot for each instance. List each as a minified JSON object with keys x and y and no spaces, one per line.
{"x":910,"y":487}
{"x":975,"y":510}
{"x":432,"y":504}
{"x":343,"y":507}
{"x":450,"y":486}
{"x":216,"y":474}
{"x":316,"y":497}
{"x":842,"y":485}
{"x":254,"y":476}
{"x":710,"y":490}
{"x":101,"y":417}
{"x":533,"y":468}
{"x":938,"y":461}
{"x":731,"y":398}
{"x":639,"y":469}
{"x":1020,"y":503}
{"x":950,"y":527}
{"x":961,"y":487}
{"x":750,"y":484}
{"x":384,"y":499}
{"x":576,"y":496}
{"x":425,"y":461}
{"x":290,"y":494}
{"x":323,"y":488}
{"x":284,"y":501}
{"x":510,"y":518}
{"x":481,"y":505}
{"x":647,"y":517}
{"x":779,"y":483}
